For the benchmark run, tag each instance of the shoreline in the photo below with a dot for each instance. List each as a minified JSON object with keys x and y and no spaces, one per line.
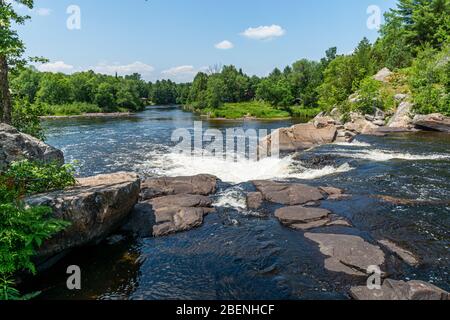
{"x":91,"y":115}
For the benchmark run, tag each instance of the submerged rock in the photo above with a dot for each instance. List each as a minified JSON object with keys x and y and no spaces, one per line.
{"x":95,"y":207}
{"x":348,"y":254}
{"x":16,"y":146}
{"x":404,"y":254}
{"x":301,"y":218}
{"x":434,"y":122}
{"x":201,"y":184}
{"x":288,"y":194}
{"x":179,"y":213}
{"x":400,"y":290}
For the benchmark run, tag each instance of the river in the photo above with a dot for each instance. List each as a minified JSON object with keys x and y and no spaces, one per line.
{"x":238,"y":254}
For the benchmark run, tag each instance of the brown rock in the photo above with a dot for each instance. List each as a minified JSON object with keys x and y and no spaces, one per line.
{"x":404,"y":254}
{"x":298,"y":215}
{"x":95,"y":208}
{"x":300,"y":137}
{"x":348,"y":254}
{"x":200,"y":185}
{"x":179,"y":213}
{"x":287,"y":194}
{"x":254,"y":200}
{"x":400,"y":290}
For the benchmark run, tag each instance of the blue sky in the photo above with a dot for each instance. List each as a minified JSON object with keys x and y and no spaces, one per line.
{"x":176,"y":38}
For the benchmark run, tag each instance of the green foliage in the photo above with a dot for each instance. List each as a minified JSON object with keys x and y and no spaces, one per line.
{"x":369,"y":96}
{"x":25,"y":117}
{"x":71,"y":109}
{"x":23,"y":229}
{"x":430,"y":81}
{"x":32,"y":177}
{"x":260,"y":110}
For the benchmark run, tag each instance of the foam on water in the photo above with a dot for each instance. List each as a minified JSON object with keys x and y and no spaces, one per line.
{"x":355,"y":143}
{"x":242,"y":170}
{"x":383,"y":155}
{"x":232,"y":198}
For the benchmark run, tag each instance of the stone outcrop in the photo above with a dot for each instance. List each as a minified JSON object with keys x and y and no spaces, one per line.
{"x":95,"y":207}
{"x":16,"y":146}
{"x":402,"y":117}
{"x":178,"y":213}
{"x":199,"y":185}
{"x":383,"y":75}
{"x":348,"y":254}
{"x":400,"y":290}
{"x":360,"y":125}
{"x":300,"y":137}
{"x":306,"y":218}
{"x":434,"y":122}
{"x":404,"y":254}
{"x":287,"y":194}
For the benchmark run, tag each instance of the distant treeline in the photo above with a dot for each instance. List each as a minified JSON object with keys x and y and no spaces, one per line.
{"x":413,"y":42}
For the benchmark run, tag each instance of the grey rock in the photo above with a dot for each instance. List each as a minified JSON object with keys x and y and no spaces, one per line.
{"x":404,"y":254}
{"x":434,"y":122}
{"x":16,"y":146}
{"x":95,"y":207}
{"x":383,"y":75}
{"x":402,"y":117}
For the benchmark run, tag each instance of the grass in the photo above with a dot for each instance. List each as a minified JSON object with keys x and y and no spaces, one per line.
{"x":73,"y":109}
{"x":255,"y":109}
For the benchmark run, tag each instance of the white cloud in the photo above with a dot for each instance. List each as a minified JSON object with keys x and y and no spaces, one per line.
{"x":264,"y":32}
{"x":224,"y":45}
{"x":43,"y":12}
{"x":57,"y":66}
{"x":135,"y":67}
{"x":179,"y":71}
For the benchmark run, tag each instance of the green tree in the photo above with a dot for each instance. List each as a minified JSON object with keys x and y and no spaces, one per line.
{"x":105,"y":96}
{"x":55,"y":88}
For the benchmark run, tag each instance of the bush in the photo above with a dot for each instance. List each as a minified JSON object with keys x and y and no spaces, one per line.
{"x":25,"y":118}
{"x":369,"y":96}
{"x":430,"y":81}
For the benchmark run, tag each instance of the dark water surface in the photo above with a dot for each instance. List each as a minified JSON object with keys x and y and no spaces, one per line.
{"x":238,"y":254}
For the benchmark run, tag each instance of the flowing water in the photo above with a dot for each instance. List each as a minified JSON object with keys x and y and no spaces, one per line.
{"x":239,"y":254}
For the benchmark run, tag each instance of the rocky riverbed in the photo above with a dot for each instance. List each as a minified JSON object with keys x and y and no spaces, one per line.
{"x":302,"y":234}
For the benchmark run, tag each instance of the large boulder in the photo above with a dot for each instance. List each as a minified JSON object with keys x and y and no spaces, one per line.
{"x":402,"y":117}
{"x":16,"y":146}
{"x":95,"y":207}
{"x":400,"y":290}
{"x":287,"y":193}
{"x":360,"y":125}
{"x":201,"y":185}
{"x":434,"y":122}
{"x":303,"y":218}
{"x":178,"y":213}
{"x":348,"y":254}
{"x":301,"y":137}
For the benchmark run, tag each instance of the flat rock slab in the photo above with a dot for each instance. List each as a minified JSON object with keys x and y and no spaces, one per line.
{"x":288,"y":194}
{"x":348,"y":254}
{"x":16,"y":146}
{"x":297,"y":215}
{"x":179,"y":213}
{"x":404,"y":254}
{"x":400,"y":290}
{"x":95,"y":207}
{"x":158,"y":187}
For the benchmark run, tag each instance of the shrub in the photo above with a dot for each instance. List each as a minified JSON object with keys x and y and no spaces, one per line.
{"x":369,"y":96}
{"x":25,"y":118}
{"x":71,"y":109}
